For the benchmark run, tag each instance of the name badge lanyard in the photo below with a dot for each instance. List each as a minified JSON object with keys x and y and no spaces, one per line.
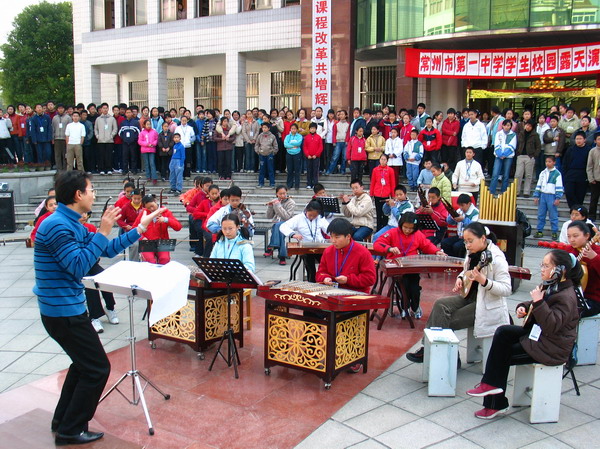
{"x":230,"y":250}
{"x":338,"y":271}
{"x":312,"y":234}
{"x":468,"y":165}
{"x":402,"y":249}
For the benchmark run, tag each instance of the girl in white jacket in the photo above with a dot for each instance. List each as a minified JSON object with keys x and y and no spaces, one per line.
{"x":393,"y":149}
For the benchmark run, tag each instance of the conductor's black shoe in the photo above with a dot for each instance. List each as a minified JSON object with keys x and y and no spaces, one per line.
{"x":54,"y":425}
{"x":82,"y":438}
{"x":416,"y":357}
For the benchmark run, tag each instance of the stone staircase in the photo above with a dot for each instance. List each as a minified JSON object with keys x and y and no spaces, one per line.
{"x":255,"y":198}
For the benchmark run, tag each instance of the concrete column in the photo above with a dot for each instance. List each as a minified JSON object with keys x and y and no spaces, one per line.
{"x":235,"y":81}
{"x":191,"y":9}
{"x":153,"y":11}
{"x":157,"y":82}
{"x":119,"y":14}
{"x":406,"y":88}
{"x":87,"y":84}
{"x":232,"y":6}
{"x":277,"y":3}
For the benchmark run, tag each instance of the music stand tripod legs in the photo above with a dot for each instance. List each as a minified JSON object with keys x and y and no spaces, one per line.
{"x":136,"y":386}
{"x":233,"y":356}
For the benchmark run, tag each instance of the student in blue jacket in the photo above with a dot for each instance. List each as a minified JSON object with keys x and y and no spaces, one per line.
{"x":232,"y":243}
{"x":64,"y":252}
{"x":40,"y":134}
{"x":293,"y":158}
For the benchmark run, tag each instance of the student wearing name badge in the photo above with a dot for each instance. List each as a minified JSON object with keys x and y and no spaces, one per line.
{"x":468,"y":174}
{"x":356,"y":156}
{"x":232,"y":243}
{"x":382,"y":188}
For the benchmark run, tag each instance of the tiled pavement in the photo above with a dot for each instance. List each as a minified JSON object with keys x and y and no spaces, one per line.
{"x":393,"y":411}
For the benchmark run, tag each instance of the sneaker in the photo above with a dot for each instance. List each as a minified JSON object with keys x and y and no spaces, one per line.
{"x":538,"y":235}
{"x":259,"y":186}
{"x":102,"y":173}
{"x":418,"y":313}
{"x":482,"y":389}
{"x":97,"y":325}
{"x":355,"y":368}
{"x":282,"y":262}
{"x":489,"y":413}
{"x":112,"y":317}
{"x":308,"y":187}
{"x":416,"y":357}
{"x":109,"y":172}
{"x":268,"y":252}
{"x":555,"y":236}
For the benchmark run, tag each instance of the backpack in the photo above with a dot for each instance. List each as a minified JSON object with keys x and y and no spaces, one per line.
{"x":524,"y":223}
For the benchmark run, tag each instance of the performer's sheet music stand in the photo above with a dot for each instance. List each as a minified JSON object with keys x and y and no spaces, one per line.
{"x":227,"y":271}
{"x":160,"y":245}
{"x":137,"y":391}
{"x":424,"y":221}
{"x":330,"y":204}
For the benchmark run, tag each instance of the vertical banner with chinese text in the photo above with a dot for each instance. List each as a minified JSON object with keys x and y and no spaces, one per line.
{"x":321,"y":53}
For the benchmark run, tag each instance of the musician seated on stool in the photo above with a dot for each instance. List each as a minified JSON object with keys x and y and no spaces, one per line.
{"x":547,"y":335}
{"x":279,"y":210}
{"x":346,"y":262}
{"x":577,"y":213}
{"x":129,"y":214}
{"x":438,"y":213}
{"x":199,"y":215}
{"x":209,"y":237}
{"x":235,"y":206}
{"x":578,"y":234}
{"x":394,"y":208}
{"x":360,"y":210}
{"x":404,"y":241}
{"x":158,"y":229}
{"x":232,"y":242}
{"x":308,"y":226}
{"x":483,"y":307}
{"x":319,"y":191}
{"x":468,"y":213}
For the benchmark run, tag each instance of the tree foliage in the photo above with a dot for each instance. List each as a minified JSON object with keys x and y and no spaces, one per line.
{"x":38,"y":56}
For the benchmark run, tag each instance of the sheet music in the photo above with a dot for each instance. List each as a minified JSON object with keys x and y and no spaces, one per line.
{"x":168,"y":284}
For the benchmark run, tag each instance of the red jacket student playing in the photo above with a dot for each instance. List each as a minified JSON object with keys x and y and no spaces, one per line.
{"x":438,"y":213}
{"x":130,"y":211}
{"x":157,"y":229}
{"x":346,"y":262}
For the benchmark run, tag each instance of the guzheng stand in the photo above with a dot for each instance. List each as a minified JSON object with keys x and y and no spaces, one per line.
{"x":136,"y":386}
{"x":227,"y":271}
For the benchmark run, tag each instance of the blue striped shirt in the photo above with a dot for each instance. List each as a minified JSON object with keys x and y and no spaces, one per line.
{"x":64,"y":252}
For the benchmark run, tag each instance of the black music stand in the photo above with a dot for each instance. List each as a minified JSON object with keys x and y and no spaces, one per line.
{"x":424,"y":221}
{"x":330,"y":204}
{"x":227,"y":271}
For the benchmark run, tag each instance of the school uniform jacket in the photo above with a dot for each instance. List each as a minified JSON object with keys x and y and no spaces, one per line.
{"x":431,"y":139}
{"x":360,"y":211}
{"x":409,"y":245}
{"x":439,"y":215}
{"x":159,"y":230}
{"x":235,"y":248}
{"x":354,"y":261}
{"x":382,"y":182}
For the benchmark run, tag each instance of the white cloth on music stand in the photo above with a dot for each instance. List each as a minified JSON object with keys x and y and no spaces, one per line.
{"x":168,"y":284}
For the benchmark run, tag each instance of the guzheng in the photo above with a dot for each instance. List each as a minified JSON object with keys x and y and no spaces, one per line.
{"x":303,"y":248}
{"x":321,"y":297}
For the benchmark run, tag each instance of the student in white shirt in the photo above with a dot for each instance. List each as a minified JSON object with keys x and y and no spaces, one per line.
{"x":75,"y":134}
{"x":577,"y":213}
{"x":188,"y":137}
{"x":393,"y":149}
{"x":474,"y":135}
{"x":468,"y":174}
{"x":309,"y":226}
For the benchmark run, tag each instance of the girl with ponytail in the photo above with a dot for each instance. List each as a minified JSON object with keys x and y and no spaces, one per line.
{"x":547,"y":335}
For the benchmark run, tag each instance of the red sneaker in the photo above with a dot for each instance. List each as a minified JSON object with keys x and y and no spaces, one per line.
{"x":489,"y":413}
{"x":268,"y":252}
{"x":282,"y":262}
{"x":483,"y":389}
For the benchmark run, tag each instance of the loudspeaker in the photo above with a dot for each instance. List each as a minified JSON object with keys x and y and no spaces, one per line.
{"x":7,"y":212}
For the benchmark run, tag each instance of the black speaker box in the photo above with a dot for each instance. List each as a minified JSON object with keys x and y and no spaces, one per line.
{"x":7,"y":212}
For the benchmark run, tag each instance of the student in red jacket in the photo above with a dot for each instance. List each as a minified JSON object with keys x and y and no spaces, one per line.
{"x":199,"y":215}
{"x":405,"y":129}
{"x":438,"y":214}
{"x":312,"y":146}
{"x":346,"y":263}
{"x":383,"y":182}
{"x":128,"y":188}
{"x":404,"y":241}
{"x":450,"y":131}
{"x":50,"y":206}
{"x":129,"y":214}
{"x":385,"y":126}
{"x":356,"y":155}
{"x":431,"y":139}
{"x":157,"y":229}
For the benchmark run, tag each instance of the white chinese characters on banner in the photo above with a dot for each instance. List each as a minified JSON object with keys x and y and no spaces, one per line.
{"x":509,"y":63}
{"x":321,"y":53}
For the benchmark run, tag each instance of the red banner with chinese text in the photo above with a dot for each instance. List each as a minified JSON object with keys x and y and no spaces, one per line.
{"x":504,"y":63}
{"x":321,"y":53}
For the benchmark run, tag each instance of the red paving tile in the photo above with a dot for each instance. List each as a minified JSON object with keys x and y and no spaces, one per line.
{"x":215,"y":410}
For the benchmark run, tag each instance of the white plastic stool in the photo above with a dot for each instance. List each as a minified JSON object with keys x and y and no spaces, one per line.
{"x":478,"y":348}
{"x":587,"y":340}
{"x":538,"y":386}
{"x":439,"y":361}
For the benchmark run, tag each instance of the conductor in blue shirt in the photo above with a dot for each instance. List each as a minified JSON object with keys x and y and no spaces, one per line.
{"x":64,"y":252}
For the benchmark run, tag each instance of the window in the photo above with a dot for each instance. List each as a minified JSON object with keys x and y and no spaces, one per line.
{"x":509,"y":14}
{"x":173,"y":10}
{"x":175,"y":96}
{"x":208,"y":91}
{"x":285,"y":89}
{"x":138,"y":93}
{"x":202,"y":8}
{"x":252,"y":90}
{"x":377,"y":86}
{"x":285,"y":3}
{"x":544,"y":13}
{"x":134,"y":12}
{"x":103,"y":14}
{"x":217,"y":7}
{"x":585,"y":11}
{"x":251,"y":5}
{"x":438,"y":17}
{"x":471,"y":15}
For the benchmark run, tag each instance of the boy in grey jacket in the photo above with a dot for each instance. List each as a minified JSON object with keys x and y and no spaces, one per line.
{"x":266,"y":148}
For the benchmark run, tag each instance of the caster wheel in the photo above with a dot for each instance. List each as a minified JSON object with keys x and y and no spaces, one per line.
{"x":151,"y":431}
{"x":267,"y":371}
{"x":153,"y":345}
{"x":327,"y":386}
{"x":201,"y":355}
{"x":167,"y":397}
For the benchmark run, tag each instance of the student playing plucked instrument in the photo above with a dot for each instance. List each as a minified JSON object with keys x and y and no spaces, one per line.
{"x":279,"y":210}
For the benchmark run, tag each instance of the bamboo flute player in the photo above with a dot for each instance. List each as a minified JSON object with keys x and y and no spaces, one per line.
{"x":64,"y":252}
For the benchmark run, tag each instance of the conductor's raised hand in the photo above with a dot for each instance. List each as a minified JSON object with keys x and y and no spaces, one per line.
{"x":109,"y":218}
{"x":147,"y":218}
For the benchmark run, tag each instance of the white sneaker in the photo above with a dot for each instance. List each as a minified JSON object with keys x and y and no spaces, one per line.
{"x":419,"y":313}
{"x":109,"y":172}
{"x":102,"y":173}
{"x":112,"y":316}
{"x":97,"y":325}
